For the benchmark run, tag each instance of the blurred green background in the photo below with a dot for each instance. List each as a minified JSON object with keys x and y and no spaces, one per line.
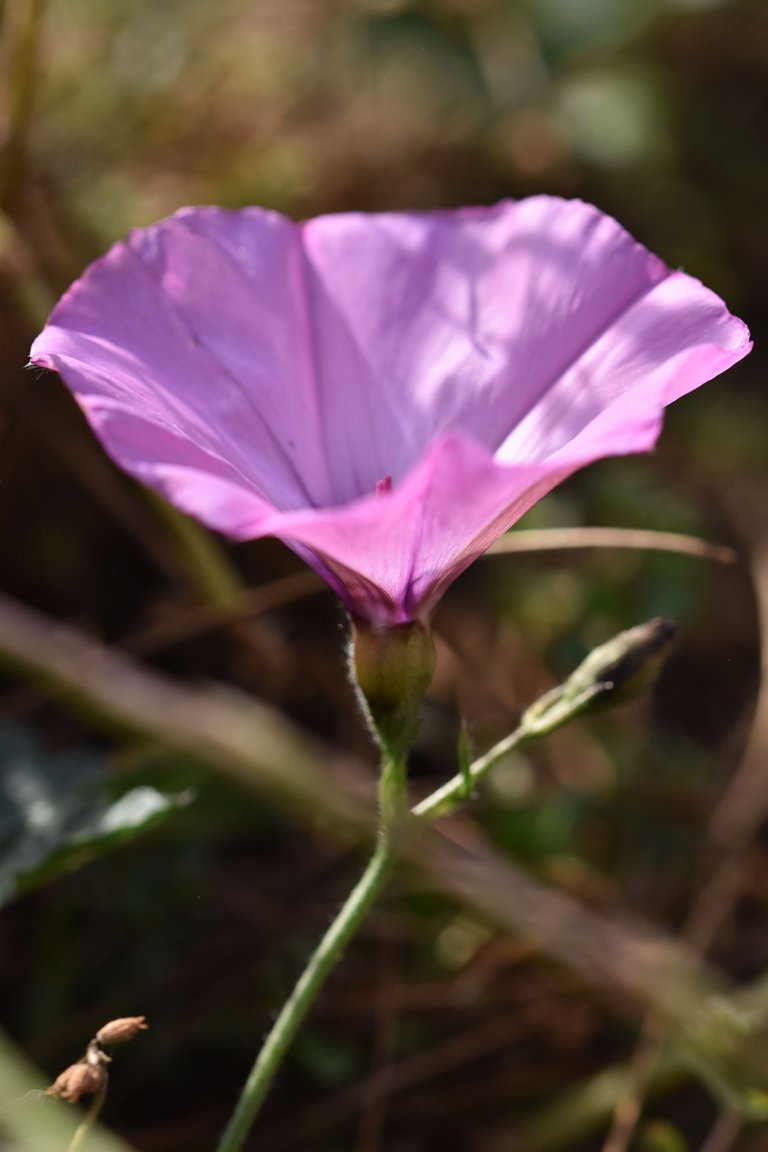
{"x":116,"y":112}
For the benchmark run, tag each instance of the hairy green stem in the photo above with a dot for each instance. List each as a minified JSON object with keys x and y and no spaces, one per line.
{"x":303,"y":996}
{"x":613,"y":666}
{"x":532,"y":727}
{"x":392,"y":799}
{"x":393,"y":809}
{"x":444,"y":799}
{"x":617,"y":670}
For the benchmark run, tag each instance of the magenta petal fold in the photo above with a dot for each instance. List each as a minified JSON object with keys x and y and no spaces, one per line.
{"x":385,"y":393}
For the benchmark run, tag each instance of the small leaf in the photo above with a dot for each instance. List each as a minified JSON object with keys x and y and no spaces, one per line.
{"x":59,"y":810}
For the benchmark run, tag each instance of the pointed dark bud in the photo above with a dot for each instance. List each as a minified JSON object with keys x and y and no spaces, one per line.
{"x":614,"y":672}
{"x":627,"y":665}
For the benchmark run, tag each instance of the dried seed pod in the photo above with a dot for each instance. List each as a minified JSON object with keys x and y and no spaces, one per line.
{"x":118,"y":1031}
{"x":78,"y":1080}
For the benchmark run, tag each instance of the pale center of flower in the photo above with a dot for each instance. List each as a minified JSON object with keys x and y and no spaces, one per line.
{"x":384,"y":486}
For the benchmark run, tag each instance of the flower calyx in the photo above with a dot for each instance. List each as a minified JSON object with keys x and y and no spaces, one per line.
{"x":392,"y":668}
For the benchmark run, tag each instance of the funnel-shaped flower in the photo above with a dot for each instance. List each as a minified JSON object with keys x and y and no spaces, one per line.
{"x":385,"y":393}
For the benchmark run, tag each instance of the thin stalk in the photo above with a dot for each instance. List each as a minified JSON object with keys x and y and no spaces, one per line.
{"x":393,"y":814}
{"x":567,"y":539}
{"x":392,"y":799}
{"x":614,"y":666}
{"x":532,"y":727}
{"x":90,"y":1117}
{"x":449,"y":795}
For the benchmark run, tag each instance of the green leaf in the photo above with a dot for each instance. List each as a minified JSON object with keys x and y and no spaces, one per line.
{"x":58,"y":811}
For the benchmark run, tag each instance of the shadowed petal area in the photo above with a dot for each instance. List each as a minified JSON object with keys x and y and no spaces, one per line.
{"x":386,"y":393}
{"x":393,"y":555}
{"x":199,"y":326}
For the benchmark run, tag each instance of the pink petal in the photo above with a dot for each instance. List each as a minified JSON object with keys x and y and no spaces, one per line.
{"x":270,"y":378}
{"x":198,"y":326}
{"x":394,"y":555}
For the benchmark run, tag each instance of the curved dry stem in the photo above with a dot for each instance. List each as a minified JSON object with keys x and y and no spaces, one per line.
{"x":91,"y":1115}
{"x":557,"y":539}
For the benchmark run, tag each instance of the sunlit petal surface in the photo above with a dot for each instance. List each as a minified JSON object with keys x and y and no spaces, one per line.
{"x":386,"y":393}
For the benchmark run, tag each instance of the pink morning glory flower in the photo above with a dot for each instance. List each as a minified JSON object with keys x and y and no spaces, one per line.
{"x":385,"y":393}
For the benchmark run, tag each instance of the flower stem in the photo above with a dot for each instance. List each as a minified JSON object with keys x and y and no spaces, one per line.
{"x":393,"y":808}
{"x":615,"y":671}
{"x":91,"y":1116}
{"x":456,"y":790}
{"x":620,"y":663}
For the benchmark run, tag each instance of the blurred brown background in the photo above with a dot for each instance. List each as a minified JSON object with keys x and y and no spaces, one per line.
{"x":116,"y":112}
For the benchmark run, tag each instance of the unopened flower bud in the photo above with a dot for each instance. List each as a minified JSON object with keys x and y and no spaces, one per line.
{"x":78,"y":1080}
{"x":616,"y":671}
{"x":629,"y":663}
{"x":121,"y":1030}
